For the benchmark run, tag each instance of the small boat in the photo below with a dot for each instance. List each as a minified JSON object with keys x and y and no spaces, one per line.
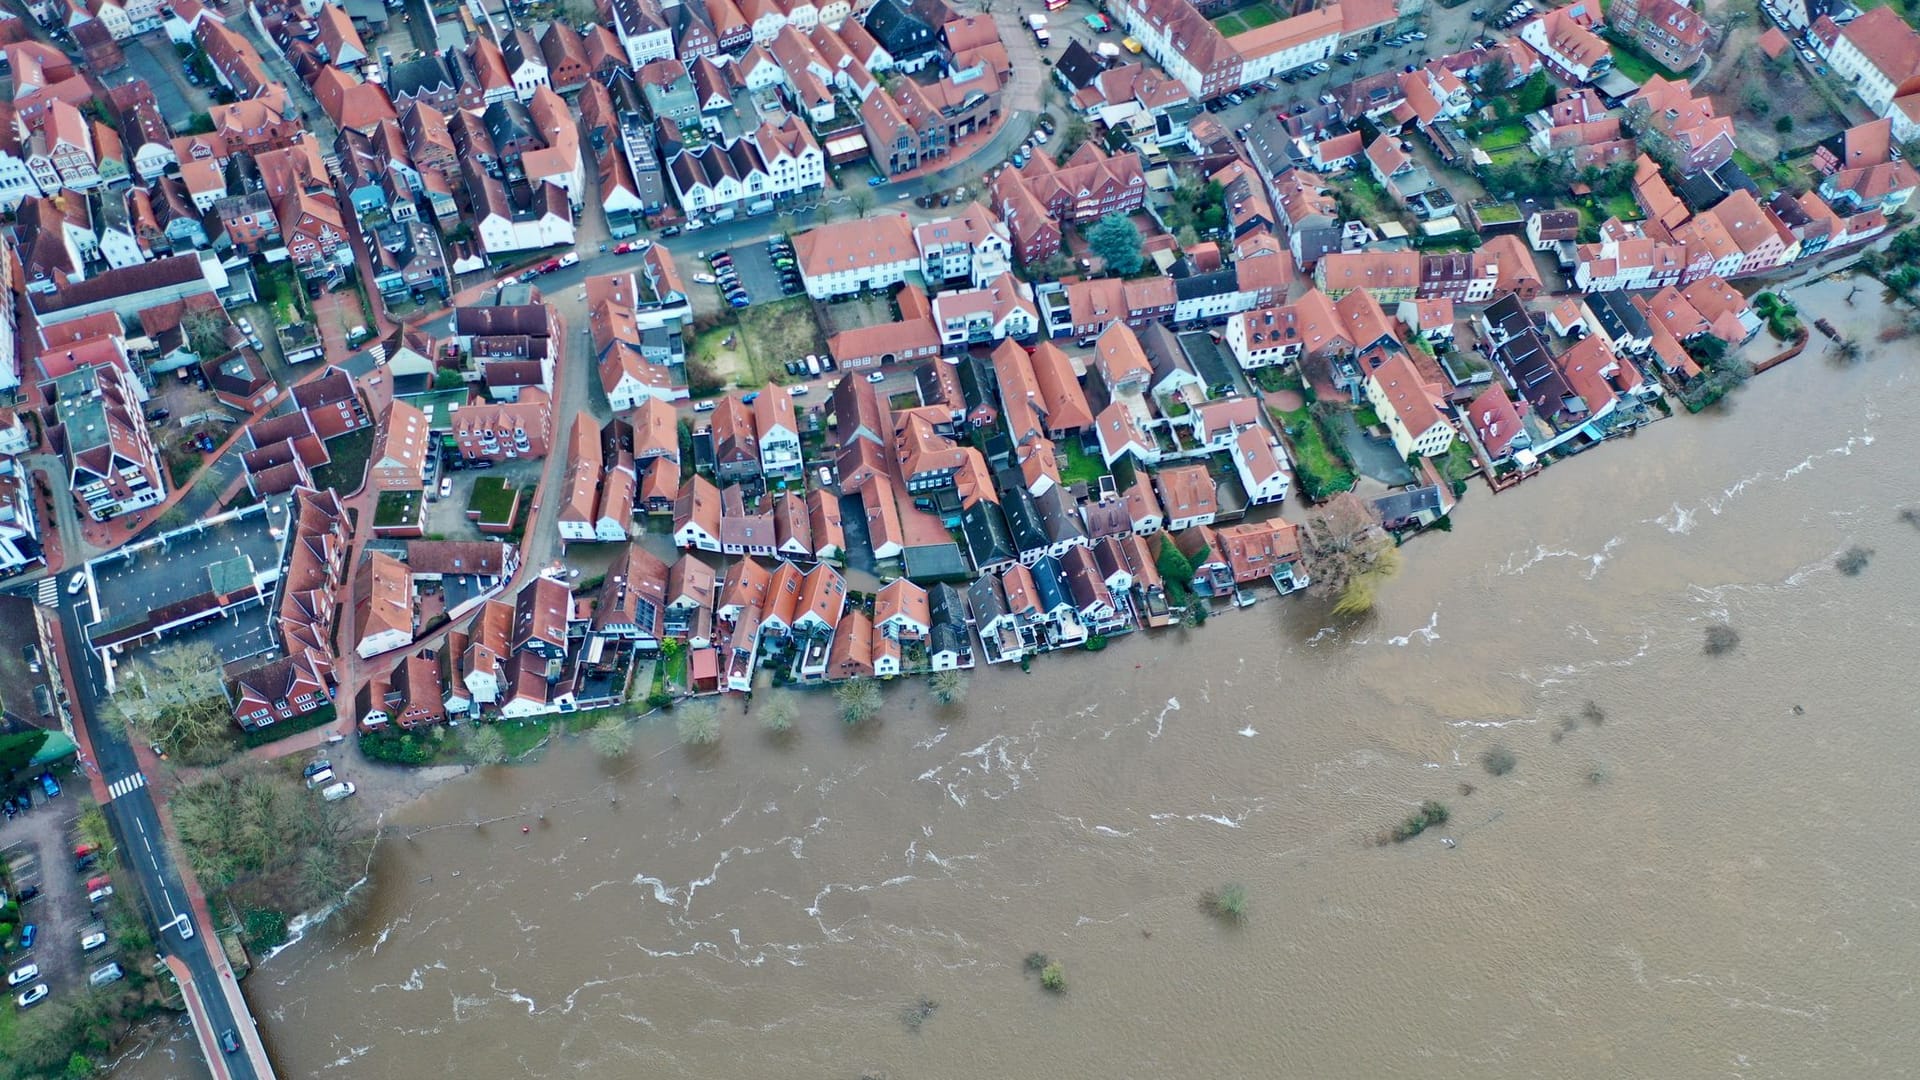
{"x":1447,"y":841}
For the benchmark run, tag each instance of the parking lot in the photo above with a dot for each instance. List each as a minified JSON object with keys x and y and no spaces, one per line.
{"x":753,"y":263}
{"x":36,"y":847}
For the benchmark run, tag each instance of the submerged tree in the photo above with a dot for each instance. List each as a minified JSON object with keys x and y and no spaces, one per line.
{"x":949,"y":687}
{"x":777,"y":709}
{"x":859,"y":700}
{"x":1348,"y":554}
{"x":612,"y":737}
{"x":698,"y":724}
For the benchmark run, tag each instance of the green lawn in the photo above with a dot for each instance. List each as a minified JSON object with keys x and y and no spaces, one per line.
{"x":1511,"y":133}
{"x":1497,"y":213}
{"x":397,"y":508}
{"x":1251,"y":17}
{"x":493,"y":498}
{"x":1320,"y":473}
{"x":778,"y":332}
{"x":349,"y":465}
{"x":523,"y":735}
{"x":1622,"y":206}
{"x":1077,"y":466}
{"x":1458,"y":464}
{"x":1278,"y":377}
{"x":1632,"y":63}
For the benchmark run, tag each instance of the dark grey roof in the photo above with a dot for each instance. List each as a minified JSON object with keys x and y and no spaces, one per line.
{"x":1402,"y":505}
{"x":1217,"y":283}
{"x":1024,"y":523}
{"x":904,"y":29}
{"x":1049,"y":585}
{"x":424,"y":74}
{"x":936,"y":562}
{"x":1078,"y":66}
{"x":987,"y":597}
{"x":985,"y":529}
{"x":1213,"y":366}
{"x":1617,"y":315}
{"x":1060,"y":516}
{"x":949,"y":604}
{"x":947,"y":637}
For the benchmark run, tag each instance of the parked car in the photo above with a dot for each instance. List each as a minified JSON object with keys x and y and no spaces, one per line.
{"x":876,"y":181}
{"x":704,"y":406}
{"x":158,"y":415}
{"x":49,"y":785}
{"x":90,"y":942}
{"x":799,"y":391}
{"x":319,"y":777}
{"x":877,"y":376}
{"x":316,"y":767}
{"x":100,"y":882}
{"x":671,"y":230}
{"x":338,"y":791}
{"x":103,"y":976}
{"x":31,"y":892}
{"x":77,"y":583}
{"x":705,"y":279}
{"x":33,"y":996}
{"x":446,"y":486}
{"x":27,"y":935}
{"x":100,"y":894}
{"x":571,"y":258}
{"x":246,"y":328}
{"x":25,"y":973}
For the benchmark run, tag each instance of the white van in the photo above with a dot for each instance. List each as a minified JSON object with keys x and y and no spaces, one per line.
{"x":338,"y":791}
{"x":105,"y":975}
{"x":324,"y":776}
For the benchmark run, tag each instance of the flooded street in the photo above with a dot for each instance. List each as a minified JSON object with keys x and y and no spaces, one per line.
{"x":1709,"y":873}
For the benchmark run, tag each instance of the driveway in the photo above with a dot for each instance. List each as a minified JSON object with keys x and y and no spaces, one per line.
{"x":1375,"y":458}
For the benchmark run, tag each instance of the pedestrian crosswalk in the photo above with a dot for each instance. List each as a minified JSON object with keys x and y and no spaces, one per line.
{"x":126,"y":785}
{"x":49,"y":592}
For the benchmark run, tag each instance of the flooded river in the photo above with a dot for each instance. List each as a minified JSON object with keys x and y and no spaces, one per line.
{"x":1711,"y":872}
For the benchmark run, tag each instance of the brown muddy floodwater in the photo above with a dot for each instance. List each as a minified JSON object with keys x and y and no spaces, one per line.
{"x":1717,"y":880}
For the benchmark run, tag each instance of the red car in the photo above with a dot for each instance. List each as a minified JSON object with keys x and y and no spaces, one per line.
{"x":99,"y":883}
{"x":549,"y":266}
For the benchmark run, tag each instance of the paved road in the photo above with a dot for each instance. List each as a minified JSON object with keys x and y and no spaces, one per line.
{"x":142,"y":841}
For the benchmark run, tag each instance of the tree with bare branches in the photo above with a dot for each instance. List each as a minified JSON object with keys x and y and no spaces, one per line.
{"x":1348,"y":554}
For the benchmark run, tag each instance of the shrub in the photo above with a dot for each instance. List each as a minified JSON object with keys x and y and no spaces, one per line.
{"x":1036,"y":961}
{"x":396,"y":747}
{"x":1430,"y":814}
{"x":1498,"y":760}
{"x":1053,"y":978}
{"x":1853,"y":560}
{"x":487,"y":746}
{"x":1228,"y":902}
{"x":1721,"y":639}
